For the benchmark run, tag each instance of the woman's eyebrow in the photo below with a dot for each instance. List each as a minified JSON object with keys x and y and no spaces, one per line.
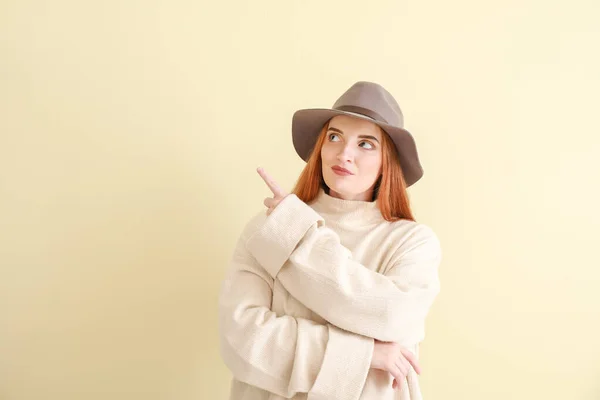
{"x":360,"y":136}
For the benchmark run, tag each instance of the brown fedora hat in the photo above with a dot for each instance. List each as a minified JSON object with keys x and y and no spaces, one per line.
{"x":368,"y":101}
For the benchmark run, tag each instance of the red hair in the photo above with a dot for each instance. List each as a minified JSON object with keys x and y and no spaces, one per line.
{"x":390,"y":189}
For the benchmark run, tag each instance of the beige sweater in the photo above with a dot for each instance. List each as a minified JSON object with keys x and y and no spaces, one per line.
{"x":311,"y":286}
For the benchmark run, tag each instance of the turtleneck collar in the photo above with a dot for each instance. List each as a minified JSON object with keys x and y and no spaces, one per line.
{"x":357,"y":212}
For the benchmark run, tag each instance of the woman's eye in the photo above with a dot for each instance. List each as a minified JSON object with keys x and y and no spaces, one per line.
{"x":368,"y":144}
{"x":331,"y":136}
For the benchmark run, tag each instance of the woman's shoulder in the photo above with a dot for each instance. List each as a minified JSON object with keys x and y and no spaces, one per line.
{"x":410,"y":233}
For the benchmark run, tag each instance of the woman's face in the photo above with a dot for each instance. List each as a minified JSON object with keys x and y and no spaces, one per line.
{"x":353,"y":144}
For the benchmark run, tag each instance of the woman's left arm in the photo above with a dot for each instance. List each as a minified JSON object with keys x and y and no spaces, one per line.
{"x":308,"y":259}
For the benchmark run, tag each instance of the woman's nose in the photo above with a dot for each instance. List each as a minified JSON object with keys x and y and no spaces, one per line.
{"x":345,"y":155}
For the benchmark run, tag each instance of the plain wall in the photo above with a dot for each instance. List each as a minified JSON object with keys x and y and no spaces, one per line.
{"x":130,"y":132}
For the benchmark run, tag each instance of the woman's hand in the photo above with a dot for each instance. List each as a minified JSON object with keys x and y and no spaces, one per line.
{"x":278,"y":193}
{"x":395,"y":359}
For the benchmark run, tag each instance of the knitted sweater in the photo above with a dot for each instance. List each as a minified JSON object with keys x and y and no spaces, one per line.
{"x":308,"y":290}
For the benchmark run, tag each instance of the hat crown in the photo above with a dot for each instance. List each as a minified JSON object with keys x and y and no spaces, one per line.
{"x":372,"y":100}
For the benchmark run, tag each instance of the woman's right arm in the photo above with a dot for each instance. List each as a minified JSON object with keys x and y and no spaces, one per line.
{"x":284,"y":355}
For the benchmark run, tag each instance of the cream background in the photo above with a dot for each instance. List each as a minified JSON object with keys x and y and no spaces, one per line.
{"x":129,"y":136}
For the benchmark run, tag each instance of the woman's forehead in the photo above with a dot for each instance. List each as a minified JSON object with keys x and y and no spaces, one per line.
{"x":354,"y":126}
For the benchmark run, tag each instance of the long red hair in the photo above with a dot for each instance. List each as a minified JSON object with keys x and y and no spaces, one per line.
{"x":390,"y":189}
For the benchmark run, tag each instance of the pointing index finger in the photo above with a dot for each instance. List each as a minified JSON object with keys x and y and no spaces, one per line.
{"x":270,"y":182}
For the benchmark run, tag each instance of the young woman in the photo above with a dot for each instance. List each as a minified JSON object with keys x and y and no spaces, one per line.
{"x":328,"y":290}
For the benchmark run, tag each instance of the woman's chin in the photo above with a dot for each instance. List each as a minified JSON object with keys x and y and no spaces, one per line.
{"x":334,"y":184}
{"x":341,"y":189}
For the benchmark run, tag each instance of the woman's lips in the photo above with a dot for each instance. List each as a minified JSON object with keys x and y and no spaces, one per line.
{"x":341,"y":171}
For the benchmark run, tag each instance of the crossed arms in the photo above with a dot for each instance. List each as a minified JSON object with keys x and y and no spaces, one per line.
{"x":287,"y":355}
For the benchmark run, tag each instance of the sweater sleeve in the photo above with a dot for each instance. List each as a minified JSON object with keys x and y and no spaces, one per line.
{"x":282,"y":354}
{"x":307,"y":257}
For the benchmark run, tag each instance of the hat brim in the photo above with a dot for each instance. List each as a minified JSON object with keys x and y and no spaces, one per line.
{"x":307,"y":124}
